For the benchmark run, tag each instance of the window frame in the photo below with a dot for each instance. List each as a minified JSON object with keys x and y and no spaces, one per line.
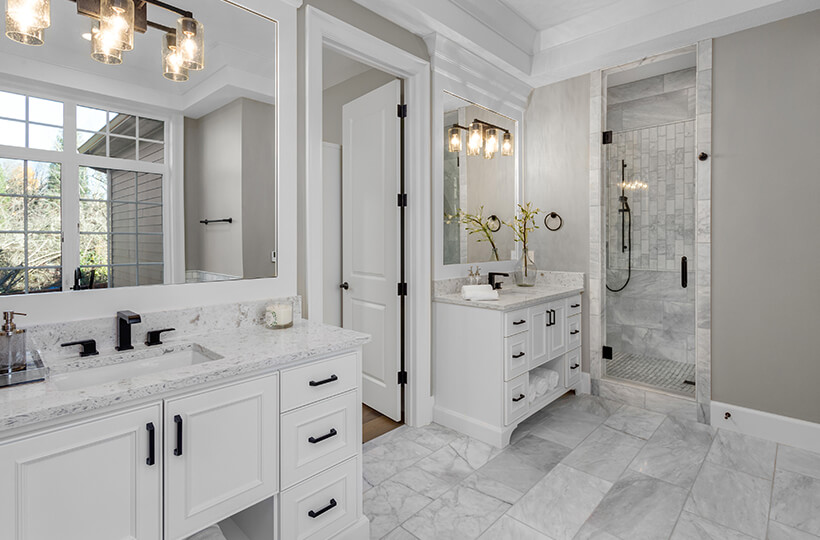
{"x":71,"y":160}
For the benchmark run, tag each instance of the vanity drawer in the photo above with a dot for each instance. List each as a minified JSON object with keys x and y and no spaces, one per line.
{"x":574,"y":332}
{"x":319,"y":436}
{"x":321,"y":507}
{"x":516,"y":322}
{"x":306,"y":384}
{"x":516,"y":355}
{"x":573,"y":367}
{"x":516,"y":398}
{"x":573,"y":305}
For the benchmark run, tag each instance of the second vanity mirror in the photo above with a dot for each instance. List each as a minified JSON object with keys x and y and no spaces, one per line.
{"x":138,"y":145}
{"x":479,"y":183}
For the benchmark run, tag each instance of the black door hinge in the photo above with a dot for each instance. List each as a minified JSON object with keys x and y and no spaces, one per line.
{"x":402,"y":289}
{"x":402,"y":377}
{"x":402,"y":111}
{"x":607,"y":352}
{"x":607,"y":138}
{"x":402,"y":200}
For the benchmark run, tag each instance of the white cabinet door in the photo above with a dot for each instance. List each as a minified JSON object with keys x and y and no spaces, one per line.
{"x":540,"y":335}
{"x":558,"y":328}
{"x":93,"y":480}
{"x":221,"y":453}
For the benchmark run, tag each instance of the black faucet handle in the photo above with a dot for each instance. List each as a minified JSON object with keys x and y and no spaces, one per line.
{"x":89,"y":347}
{"x":152,"y":338}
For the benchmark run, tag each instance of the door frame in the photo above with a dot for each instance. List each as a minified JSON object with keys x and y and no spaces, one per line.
{"x":323,"y":30}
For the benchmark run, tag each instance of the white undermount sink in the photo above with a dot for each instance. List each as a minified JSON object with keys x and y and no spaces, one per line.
{"x":132,"y":364}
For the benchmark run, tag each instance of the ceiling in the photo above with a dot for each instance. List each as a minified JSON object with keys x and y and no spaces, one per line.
{"x":545,"y":41}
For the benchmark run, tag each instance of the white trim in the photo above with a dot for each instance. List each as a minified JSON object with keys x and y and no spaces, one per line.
{"x":586,"y":384}
{"x":772,"y":427}
{"x":323,"y":30}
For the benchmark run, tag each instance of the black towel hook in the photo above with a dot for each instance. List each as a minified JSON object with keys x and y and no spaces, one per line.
{"x":553,"y":215}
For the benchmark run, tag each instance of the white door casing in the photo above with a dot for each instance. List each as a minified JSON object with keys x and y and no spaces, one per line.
{"x":371,"y":164}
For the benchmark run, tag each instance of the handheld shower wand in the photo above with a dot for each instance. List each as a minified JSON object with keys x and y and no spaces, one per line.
{"x":625,"y":211}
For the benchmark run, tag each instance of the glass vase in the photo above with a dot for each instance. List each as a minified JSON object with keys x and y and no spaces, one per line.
{"x":525,"y":270}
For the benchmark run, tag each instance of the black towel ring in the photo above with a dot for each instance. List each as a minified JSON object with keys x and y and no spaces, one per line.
{"x":553,"y":215}
{"x":494,"y":219}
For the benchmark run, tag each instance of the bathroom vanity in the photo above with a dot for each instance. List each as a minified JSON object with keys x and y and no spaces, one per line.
{"x":487,"y":353}
{"x":257,"y":429}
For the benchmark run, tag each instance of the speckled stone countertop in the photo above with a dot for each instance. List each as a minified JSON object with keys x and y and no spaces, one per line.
{"x":513,"y":297}
{"x":244,"y":351}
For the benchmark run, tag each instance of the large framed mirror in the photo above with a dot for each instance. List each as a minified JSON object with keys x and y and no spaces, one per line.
{"x":138,"y":145}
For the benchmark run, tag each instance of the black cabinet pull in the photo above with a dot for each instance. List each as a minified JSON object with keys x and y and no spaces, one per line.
{"x":317,"y":513}
{"x":152,"y":444}
{"x":519,"y":355}
{"x":519,"y":398}
{"x":331,"y":433}
{"x":552,"y":317}
{"x":684,"y":277}
{"x":178,"y":422}
{"x":574,"y":332}
{"x":516,"y":323}
{"x":573,"y":306}
{"x":573,"y":366}
{"x":332,"y":378}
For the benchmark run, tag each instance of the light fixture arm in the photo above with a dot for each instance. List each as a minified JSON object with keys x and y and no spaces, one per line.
{"x":477,"y":121}
{"x":168,"y":7}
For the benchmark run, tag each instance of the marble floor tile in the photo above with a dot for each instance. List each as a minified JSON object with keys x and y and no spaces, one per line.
{"x":492,"y":487}
{"x":606,"y":453}
{"x":675,"y":452}
{"x":432,"y":436}
{"x":383,"y":461}
{"x":685,"y":409}
{"x":461,"y":513}
{"x":473,"y":451}
{"x":447,"y":465}
{"x":731,"y":498}
{"x":421,"y":481}
{"x":796,"y":501}
{"x":559,"y":504}
{"x":743,"y":453}
{"x":798,"y":461}
{"x":509,"y":469}
{"x":587,"y":403}
{"x":540,"y":453}
{"x":639,"y":507}
{"x":635,"y":421}
{"x":366,"y":485}
{"x":567,"y":428}
{"x":693,"y":527}
{"x":399,"y":534}
{"x":778,"y":531}
{"x":508,"y":528}
{"x":590,"y":532}
{"x":389,"y":504}
{"x":384,"y":438}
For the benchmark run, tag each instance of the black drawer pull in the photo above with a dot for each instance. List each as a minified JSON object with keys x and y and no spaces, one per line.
{"x":152,"y":444}
{"x":573,"y":366}
{"x":575,"y":306}
{"x":552,"y":317}
{"x":315,"y":514}
{"x":516,"y":323}
{"x":519,"y":355}
{"x":332,"y":378}
{"x":519,"y":398}
{"x":574,"y":332}
{"x":178,"y":422}
{"x":331,"y":433}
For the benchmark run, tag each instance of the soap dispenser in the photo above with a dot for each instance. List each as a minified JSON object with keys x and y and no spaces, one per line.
{"x":12,"y":345}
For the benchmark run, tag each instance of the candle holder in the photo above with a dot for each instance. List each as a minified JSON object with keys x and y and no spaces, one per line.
{"x":279,"y":314}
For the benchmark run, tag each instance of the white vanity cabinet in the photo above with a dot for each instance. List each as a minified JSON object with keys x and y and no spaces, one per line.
{"x":486,"y":361}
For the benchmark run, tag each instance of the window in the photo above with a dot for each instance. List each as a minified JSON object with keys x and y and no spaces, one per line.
{"x":101,"y":198}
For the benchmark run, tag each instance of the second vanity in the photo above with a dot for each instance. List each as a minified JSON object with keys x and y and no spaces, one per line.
{"x":257,"y":429}
{"x":487,"y":355}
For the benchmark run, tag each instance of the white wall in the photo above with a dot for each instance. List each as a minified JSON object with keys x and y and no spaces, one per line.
{"x":332,"y":237}
{"x":335,"y":97}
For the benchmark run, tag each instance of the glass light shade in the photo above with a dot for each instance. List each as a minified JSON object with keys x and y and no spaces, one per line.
{"x":117,"y":21}
{"x":475,"y":140}
{"x":191,"y":43}
{"x":26,"y":20}
{"x":490,"y":143}
{"x":507,"y":145}
{"x":172,"y":64}
{"x":104,"y":47}
{"x":455,"y":139}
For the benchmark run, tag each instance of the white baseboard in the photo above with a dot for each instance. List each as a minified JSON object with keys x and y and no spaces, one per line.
{"x":358,"y":531}
{"x":472,"y":427}
{"x":772,"y":427}
{"x":586,"y":384}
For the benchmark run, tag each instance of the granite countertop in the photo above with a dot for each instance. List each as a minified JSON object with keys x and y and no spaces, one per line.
{"x":513,"y":298}
{"x":243,"y":351}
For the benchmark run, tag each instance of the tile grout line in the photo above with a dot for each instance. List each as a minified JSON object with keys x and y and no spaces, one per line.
{"x":689,"y":491}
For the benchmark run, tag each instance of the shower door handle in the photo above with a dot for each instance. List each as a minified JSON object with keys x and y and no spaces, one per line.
{"x":684,"y":274}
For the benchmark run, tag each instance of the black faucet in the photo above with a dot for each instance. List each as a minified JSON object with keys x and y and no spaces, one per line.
{"x":124,"y":321}
{"x":492,"y":276}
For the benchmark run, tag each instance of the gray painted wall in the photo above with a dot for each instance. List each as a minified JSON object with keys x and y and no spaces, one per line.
{"x":765,"y":219}
{"x":335,"y":97}
{"x":556,"y":177}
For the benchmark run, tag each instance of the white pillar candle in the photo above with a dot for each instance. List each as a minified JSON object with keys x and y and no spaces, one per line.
{"x":279,"y":315}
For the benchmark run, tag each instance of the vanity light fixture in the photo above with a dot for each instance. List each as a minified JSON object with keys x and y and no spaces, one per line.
{"x":191,"y":43}
{"x":173,"y":67}
{"x":475,"y":140}
{"x":104,"y":47}
{"x":490,"y":143}
{"x":454,"y":135}
{"x":27,"y":19}
{"x":481,"y":136}
{"x":507,"y":145}
{"x":117,"y":23}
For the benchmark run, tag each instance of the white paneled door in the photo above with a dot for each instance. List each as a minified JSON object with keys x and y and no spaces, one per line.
{"x":371,"y":180}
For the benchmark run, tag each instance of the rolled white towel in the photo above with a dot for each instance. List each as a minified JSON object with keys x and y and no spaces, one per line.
{"x":552,"y":378}
{"x":211,"y":533}
{"x":478,"y":292}
{"x":539,"y":385}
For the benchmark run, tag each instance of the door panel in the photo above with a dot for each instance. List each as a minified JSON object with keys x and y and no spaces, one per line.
{"x":370,"y":238}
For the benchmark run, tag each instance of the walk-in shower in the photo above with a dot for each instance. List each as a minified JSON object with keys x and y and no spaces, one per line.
{"x":650,"y":225}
